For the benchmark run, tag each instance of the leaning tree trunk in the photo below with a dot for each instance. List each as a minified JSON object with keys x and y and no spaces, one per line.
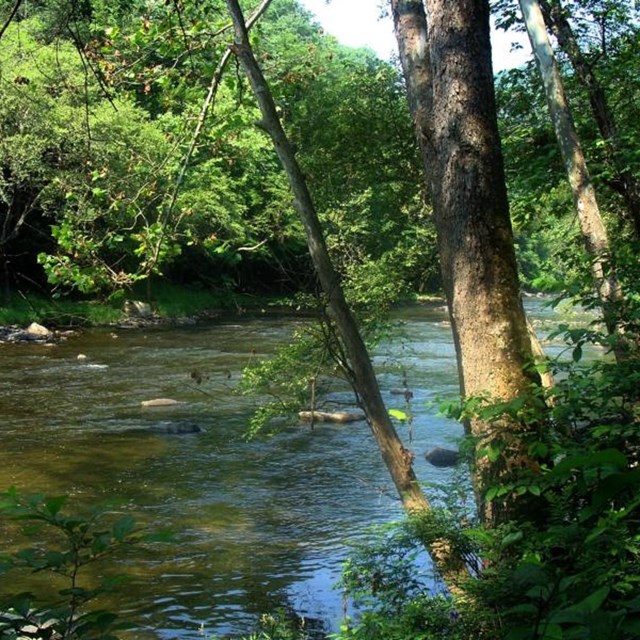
{"x":624,"y":181}
{"x":396,"y":457}
{"x":592,"y":226}
{"x":449,"y":80}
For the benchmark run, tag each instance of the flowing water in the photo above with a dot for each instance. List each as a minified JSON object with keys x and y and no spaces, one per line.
{"x":258,"y":525}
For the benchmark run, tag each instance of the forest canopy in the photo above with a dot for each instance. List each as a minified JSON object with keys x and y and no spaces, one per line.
{"x":104,"y":184}
{"x":99,"y":110}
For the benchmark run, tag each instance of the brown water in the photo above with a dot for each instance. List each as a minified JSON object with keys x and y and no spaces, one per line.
{"x":259,"y":524}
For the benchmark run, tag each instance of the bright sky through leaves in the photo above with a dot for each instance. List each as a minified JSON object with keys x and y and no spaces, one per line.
{"x":357,"y":23}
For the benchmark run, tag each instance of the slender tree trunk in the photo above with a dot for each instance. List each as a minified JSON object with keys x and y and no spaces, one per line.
{"x":450,"y":88}
{"x":5,"y":286}
{"x":592,"y":226}
{"x":396,"y":457}
{"x":624,"y":181}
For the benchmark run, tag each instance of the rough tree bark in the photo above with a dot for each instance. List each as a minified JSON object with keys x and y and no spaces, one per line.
{"x":397,"y":459}
{"x":623,"y":181}
{"x":450,"y":88}
{"x":592,"y":226}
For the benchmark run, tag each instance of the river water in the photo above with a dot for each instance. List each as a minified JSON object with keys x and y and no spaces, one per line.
{"x":257,"y":525}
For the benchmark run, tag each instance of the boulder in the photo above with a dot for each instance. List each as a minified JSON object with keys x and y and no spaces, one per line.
{"x":138,"y":309}
{"x":37,"y":330}
{"x":440,"y":457}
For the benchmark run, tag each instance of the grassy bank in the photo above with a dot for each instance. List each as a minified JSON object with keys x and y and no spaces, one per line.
{"x":167,"y":300}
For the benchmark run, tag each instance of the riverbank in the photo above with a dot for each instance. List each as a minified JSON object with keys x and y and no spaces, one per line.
{"x":168,"y":303}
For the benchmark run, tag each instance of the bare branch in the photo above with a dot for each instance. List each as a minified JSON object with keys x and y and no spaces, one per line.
{"x":254,"y":247}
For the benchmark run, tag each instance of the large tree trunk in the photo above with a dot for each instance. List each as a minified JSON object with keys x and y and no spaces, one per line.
{"x":396,"y":457}
{"x":624,"y":181}
{"x":450,"y":86}
{"x":592,"y":226}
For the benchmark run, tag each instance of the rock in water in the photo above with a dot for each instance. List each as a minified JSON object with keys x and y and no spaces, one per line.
{"x":160,"y":402}
{"x":440,"y":457}
{"x":175,"y":428}
{"x":35,"y":329}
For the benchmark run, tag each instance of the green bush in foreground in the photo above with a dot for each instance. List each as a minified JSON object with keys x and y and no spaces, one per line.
{"x":73,"y":543}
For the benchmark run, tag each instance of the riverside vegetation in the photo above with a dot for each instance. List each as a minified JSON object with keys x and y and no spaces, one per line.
{"x":112,"y":181}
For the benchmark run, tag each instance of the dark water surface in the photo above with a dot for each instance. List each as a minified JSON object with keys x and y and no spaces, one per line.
{"x":258,"y":524}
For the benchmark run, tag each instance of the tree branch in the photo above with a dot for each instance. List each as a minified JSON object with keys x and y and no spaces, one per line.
{"x":206,"y":105}
{"x":12,"y":15}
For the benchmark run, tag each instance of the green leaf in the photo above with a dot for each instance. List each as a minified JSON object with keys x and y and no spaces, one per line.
{"x":579,"y":613}
{"x":480,"y":535}
{"x":492,"y":452}
{"x":398,"y":415}
{"x":593,"y":602}
{"x":20,"y":603}
{"x":55,"y":559}
{"x":552,"y":632}
{"x":53,"y":505}
{"x":608,"y":457}
{"x":511,"y":538}
{"x":539,"y":450}
{"x":614,"y":484}
{"x":491,"y":493}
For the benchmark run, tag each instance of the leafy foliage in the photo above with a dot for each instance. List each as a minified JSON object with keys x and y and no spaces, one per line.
{"x":64,"y":545}
{"x":550,"y":251}
{"x":124,"y":87}
{"x":393,"y":593}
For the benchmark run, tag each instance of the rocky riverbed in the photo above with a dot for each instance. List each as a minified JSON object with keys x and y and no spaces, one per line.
{"x":136,"y":315}
{"x":34,"y":333}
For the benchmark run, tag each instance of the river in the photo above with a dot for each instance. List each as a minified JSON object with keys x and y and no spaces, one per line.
{"x":258,"y":525}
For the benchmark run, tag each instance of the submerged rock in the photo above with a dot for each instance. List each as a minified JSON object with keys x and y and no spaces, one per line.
{"x":440,"y":457}
{"x":175,"y":428}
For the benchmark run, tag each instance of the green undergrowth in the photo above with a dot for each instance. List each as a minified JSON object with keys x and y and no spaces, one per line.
{"x":167,"y":300}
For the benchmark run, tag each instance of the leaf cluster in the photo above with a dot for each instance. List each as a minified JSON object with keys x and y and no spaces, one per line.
{"x":64,"y":545}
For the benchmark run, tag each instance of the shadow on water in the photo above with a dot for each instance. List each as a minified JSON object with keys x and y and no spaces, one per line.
{"x":258,"y":525}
